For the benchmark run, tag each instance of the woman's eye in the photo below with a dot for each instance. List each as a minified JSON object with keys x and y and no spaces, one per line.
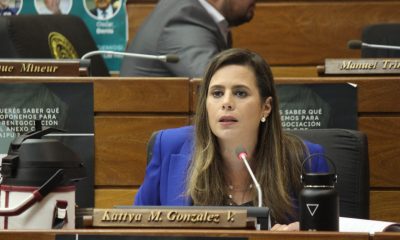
{"x":217,"y":93}
{"x":241,"y":94}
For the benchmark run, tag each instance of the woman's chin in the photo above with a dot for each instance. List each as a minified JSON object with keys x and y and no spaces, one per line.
{"x":229,"y":134}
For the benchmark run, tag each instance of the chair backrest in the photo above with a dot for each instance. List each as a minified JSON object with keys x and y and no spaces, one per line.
{"x":27,"y":36}
{"x":385,"y":34}
{"x":348,"y":149}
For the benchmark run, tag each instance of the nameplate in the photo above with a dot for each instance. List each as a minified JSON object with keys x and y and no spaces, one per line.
{"x":362,"y":66}
{"x":170,"y":218}
{"x":42,"y":67}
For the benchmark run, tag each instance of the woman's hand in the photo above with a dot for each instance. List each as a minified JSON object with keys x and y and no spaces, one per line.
{"x":294,"y":226}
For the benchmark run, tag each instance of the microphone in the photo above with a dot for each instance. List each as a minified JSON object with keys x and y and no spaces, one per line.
{"x":357,"y":44}
{"x":170,"y":58}
{"x":241,"y":154}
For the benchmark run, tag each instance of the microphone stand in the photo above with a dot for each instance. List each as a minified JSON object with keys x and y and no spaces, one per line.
{"x":165,"y":58}
{"x":380,"y":46}
{"x":254,"y":180}
{"x":357,"y":44}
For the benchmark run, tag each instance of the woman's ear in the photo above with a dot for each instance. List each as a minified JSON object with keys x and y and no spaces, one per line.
{"x":267,"y":107}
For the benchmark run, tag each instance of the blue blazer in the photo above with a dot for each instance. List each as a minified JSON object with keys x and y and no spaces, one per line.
{"x":165,"y":180}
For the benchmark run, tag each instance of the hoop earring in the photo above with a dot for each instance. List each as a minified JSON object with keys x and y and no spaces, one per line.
{"x":263,"y":119}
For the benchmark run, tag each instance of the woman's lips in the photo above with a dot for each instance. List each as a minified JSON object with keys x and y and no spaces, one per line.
{"x":227,"y":120}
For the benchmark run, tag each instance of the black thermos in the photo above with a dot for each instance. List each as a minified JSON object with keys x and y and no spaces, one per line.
{"x":318,"y":200}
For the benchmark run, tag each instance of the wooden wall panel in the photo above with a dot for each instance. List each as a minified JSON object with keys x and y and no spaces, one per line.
{"x":294,"y":71}
{"x":120,"y":146}
{"x":384,"y":205}
{"x":299,"y":32}
{"x":379,"y":95}
{"x":108,"y":198}
{"x":384,"y":149}
{"x":136,"y":15}
{"x":26,"y":235}
{"x":386,"y":236}
{"x":306,"y":33}
{"x":141,"y":95}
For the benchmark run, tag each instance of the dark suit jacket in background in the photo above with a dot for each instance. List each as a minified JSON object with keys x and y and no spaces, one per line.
{"x":182,"y":27}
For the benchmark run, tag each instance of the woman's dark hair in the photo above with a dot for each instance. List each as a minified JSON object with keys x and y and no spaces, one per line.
{"x":277,"y":155}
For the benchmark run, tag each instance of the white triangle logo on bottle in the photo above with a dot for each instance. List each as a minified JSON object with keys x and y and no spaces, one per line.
{"x":312,"y":208}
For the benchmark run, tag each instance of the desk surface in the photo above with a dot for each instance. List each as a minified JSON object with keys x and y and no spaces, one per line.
{"x":223,"y":233}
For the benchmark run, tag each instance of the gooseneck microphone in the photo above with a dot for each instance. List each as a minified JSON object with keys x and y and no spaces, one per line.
{"x":357,"y":44}
{"x":170,"y":58}
{"x":242,"y":154}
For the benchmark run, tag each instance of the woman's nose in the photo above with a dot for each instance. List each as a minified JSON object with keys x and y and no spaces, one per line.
{"x":227,"y":107}
{"x":227,"y":103}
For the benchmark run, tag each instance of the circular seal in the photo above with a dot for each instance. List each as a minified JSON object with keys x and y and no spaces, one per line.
{"x":61,"y":47}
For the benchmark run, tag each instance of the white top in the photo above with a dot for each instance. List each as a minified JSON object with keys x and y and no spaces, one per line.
{"x":105,"y":14}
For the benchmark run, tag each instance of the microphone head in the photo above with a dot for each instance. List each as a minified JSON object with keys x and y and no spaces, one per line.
{"x":241,"y":152}
{"x":171,"y":58}
{"x":354,"y":44}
